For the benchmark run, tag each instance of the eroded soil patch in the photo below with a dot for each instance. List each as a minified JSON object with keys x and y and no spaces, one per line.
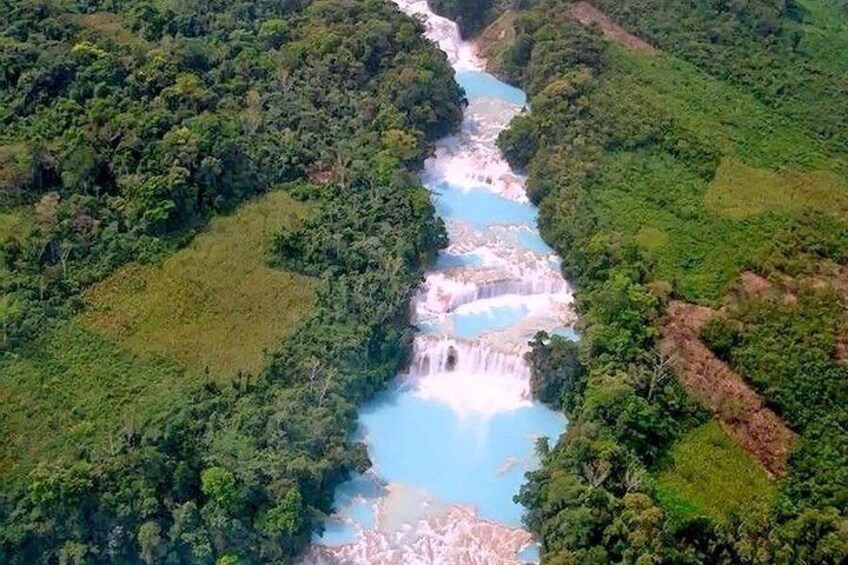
{"x":499,"y":35}
{"x":740,"y":410}
{"x":587,"y":14}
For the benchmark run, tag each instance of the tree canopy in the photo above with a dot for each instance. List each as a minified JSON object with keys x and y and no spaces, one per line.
{"x":126,"y":125}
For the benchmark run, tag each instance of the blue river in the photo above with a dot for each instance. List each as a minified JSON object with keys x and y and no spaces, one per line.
{"x":451,"y":439}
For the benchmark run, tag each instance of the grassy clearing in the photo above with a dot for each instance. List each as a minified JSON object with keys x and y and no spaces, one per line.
{"x":497,"y":36}
{"x":109,"y":27}
{"x":651,"y":238}
{"x":739,"y":191}
{"x":14,"y":222}
{"x":149,"y":335}
{"x":215,"y":304}
{"x":72,"y":390}
{"x":11,"y":223}
{"x":707,"y":474}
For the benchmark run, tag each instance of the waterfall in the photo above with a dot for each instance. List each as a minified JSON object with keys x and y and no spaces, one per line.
{"x":462,"y":55}
{"x":433,"y":355}
{"x":442,"y":294}
{"x":451,"y":439}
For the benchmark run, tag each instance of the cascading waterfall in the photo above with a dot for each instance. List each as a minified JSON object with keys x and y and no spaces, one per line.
{"x":439,"y":355}
{"x":452,"y":439}
{"x":443,"y":293}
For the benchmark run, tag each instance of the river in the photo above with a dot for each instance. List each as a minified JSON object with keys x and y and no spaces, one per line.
{"x":451,"y":439}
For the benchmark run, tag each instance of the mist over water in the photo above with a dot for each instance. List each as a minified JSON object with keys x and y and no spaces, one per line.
{"x":452,"y":438}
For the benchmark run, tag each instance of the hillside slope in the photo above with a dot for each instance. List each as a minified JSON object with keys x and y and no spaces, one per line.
{"x":662,"y":174}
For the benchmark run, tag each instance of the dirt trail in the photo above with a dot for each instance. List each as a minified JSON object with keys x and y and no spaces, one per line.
{"x":587,"y":14}
{"x":740,"y":410}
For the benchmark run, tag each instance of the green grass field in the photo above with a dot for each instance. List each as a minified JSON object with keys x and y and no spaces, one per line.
{"x":73,"y":392}
{"x":214,"y":304}
{"x":148,"y":335}
{"x":707,"y":474}
{"x":739,"y":191}
{"x":11,"y":223}
{"x":703,"y":224}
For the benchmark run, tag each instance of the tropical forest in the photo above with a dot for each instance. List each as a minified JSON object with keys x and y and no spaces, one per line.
{"x":355,"y":282}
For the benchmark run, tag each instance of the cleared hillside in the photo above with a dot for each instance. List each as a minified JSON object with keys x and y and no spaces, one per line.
{"x":150,"y":335}
{"x":662,"y":176}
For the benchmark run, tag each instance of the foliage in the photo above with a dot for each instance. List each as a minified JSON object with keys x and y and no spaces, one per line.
{"x":787,"y":350}
{"x":558,"y":377}
{"x":246,"y":469}
{"x":646,"y":169}
{"x":129,"y":126}
{"x":54,"y":397}
{"x":708,"y":474}
{"x":775,"y":51}
{"x":151,"y":118}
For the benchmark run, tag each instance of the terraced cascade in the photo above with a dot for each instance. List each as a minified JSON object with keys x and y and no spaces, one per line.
{"x":452,"y":438}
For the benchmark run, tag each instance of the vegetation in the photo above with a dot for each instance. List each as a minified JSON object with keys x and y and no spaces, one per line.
{"x":709,"y":475}
{"x":469,"y":16}
{"x":125,"y":129}
{"x":152,"y":334}
{"x":215,"y":305}
{"x":53,"y":397}
{"x":739,"y":191}
{"x":782,"y":54}
{"x":663,"y":175}
{"x":789,"y":352}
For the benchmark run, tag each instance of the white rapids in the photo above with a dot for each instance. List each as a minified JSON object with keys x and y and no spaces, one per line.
{"x":451,"y":440}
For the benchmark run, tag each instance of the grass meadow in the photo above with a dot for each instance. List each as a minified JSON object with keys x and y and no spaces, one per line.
{"x":707,"y":474}
{"x":151,"y":332}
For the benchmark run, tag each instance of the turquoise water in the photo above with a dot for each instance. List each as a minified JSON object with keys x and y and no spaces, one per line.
{"x":567,"y":333}
{"x":480,"y":208}
{"x":451,"y":261}
{"x":465,"y":459}
{"x":532,"y":241}
{"x":429,"y":327}
{"x":357,"y":499}
{"x":530,"y":554}
{"x":471,"y":325}
{"x":338,"y":533}
{"x":483,"y":85}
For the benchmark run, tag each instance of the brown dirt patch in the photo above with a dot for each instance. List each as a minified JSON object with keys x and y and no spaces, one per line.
{"x":587,"y":14}
{"x":755,"y":285}
{"x":737,"y":407}
{"x":499,"y":35}
{"x":321,"y":176}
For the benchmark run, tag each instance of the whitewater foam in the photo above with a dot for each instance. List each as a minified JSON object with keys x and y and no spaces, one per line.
{"x":462,"y":54}
{"x":452,"y":438}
